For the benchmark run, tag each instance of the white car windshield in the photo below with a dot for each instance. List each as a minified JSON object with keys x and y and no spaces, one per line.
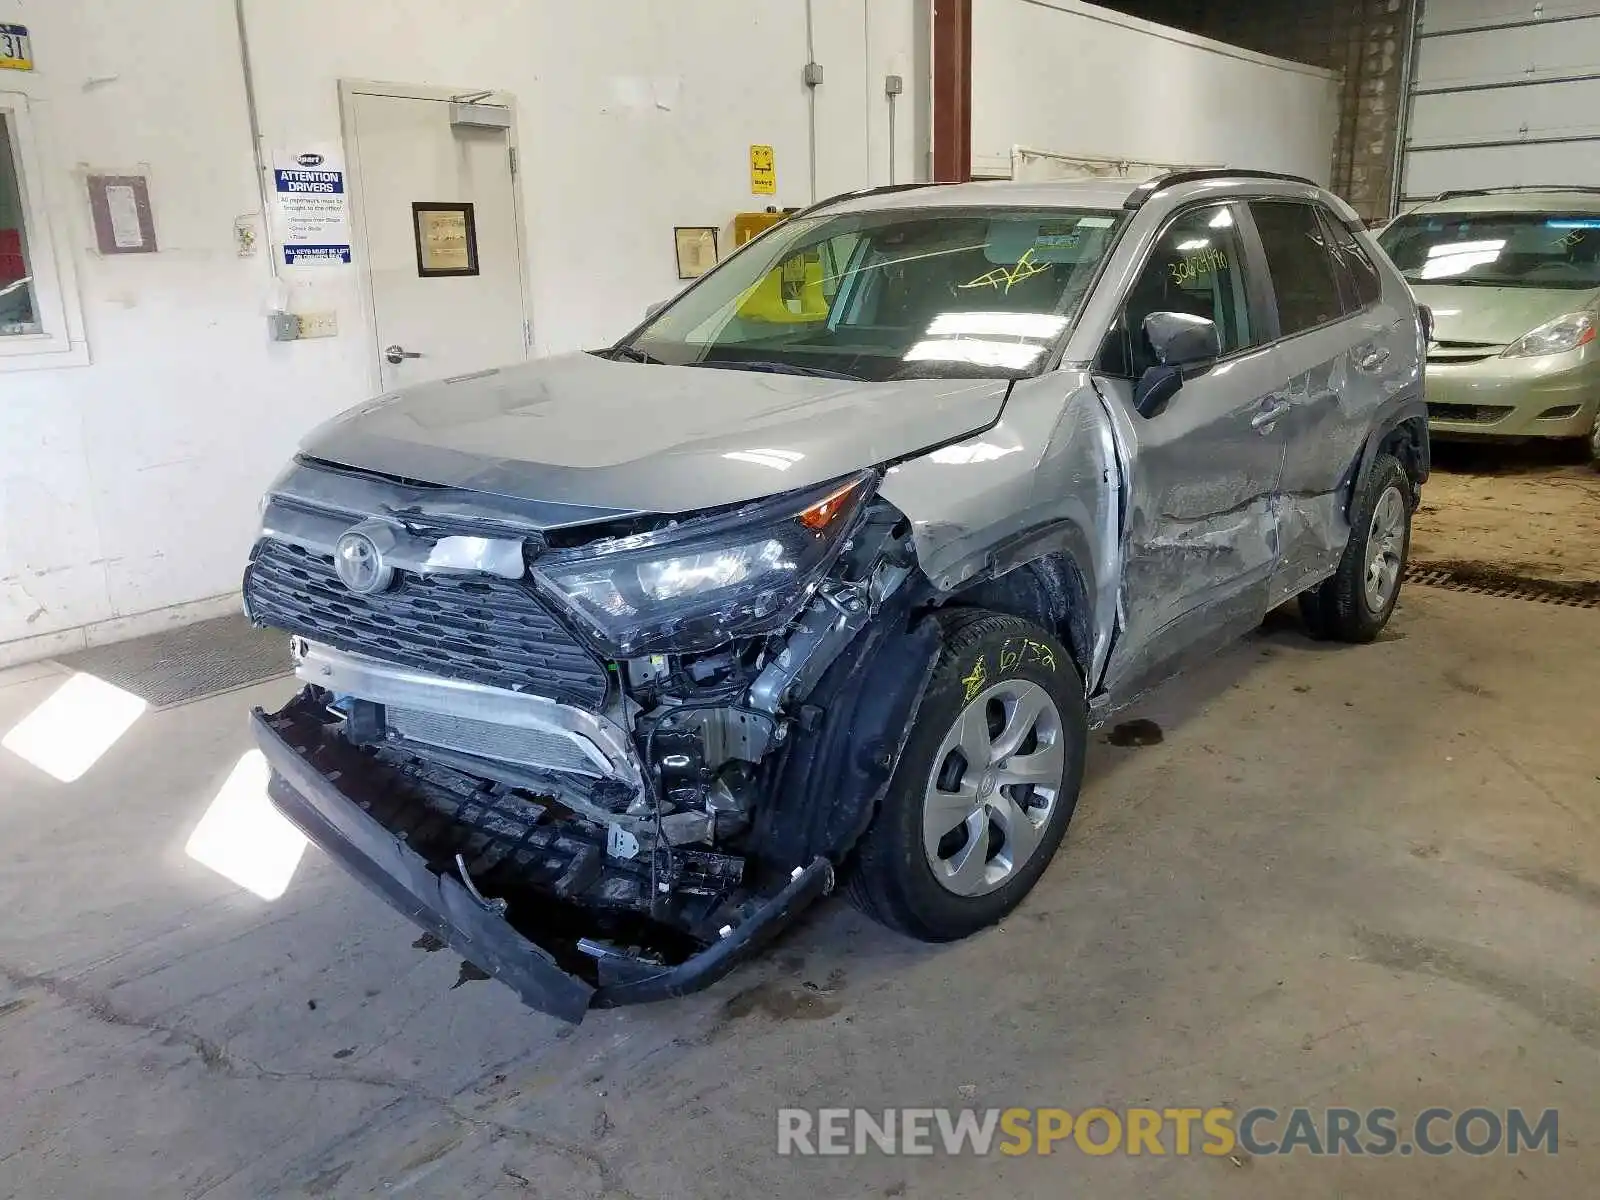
{"x":903,"y":294}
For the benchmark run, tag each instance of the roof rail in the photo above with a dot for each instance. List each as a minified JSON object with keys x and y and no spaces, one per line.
{"x":881,"y":190}
{"x":1151,"y":186}
{"x":1516,"y":187}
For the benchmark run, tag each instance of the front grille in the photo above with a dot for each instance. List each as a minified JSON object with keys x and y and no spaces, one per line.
{"x":1460,"y":353}
{"x":474,"y":627}
{"x":1474,"y":414}
{"x":1459,"y":359}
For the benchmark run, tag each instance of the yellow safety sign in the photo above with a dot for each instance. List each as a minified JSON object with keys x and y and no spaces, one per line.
{"x":763,"y":171}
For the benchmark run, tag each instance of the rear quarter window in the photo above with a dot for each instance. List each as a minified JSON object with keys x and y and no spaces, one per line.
{"x":1358,"y":276}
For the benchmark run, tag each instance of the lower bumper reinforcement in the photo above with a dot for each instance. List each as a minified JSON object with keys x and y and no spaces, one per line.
{"x":442,"y":906}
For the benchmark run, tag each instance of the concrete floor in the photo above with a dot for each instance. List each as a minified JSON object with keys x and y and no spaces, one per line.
{"x":1346,"y":877}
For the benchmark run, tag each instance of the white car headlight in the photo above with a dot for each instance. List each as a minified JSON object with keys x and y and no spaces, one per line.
{"x":1554,"y":337}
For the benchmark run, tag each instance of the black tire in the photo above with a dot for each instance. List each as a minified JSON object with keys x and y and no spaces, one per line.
{"x":1594,"y":445}
{"x":892,"y":880}
{"x":1339,"y":609}
{"x":1312,"y":614}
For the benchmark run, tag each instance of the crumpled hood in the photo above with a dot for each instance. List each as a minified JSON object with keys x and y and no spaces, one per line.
{"x":582,"y":430}
{"x":1496,"y":315}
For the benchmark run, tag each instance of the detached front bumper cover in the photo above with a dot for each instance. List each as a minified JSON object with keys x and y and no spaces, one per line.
{"x":442,"y":906}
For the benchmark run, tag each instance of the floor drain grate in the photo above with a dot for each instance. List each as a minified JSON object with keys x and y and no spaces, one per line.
{"x":1484,"y":581}
{"x":178,"y":665}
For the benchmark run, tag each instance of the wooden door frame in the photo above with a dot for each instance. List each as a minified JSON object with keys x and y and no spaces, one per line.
{"x":349,"y":90}
{"x":951,"y":91}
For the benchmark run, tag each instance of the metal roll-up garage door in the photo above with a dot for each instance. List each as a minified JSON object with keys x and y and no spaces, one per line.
{"x":1503,"y":93}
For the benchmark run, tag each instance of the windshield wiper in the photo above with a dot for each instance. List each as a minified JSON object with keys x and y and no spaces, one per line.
{"x":1460,"y":281}
{"x":633,"y":354}
{"x":775,"y":368}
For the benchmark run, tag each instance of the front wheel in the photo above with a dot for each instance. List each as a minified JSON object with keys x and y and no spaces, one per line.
{"x":1357,"y":601}
{"x":986,"y":784}
{"x":1594,"y":445}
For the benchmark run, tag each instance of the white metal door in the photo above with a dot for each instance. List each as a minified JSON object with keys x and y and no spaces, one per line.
{"x":439,"y":216}
{"x":1504,"y":92}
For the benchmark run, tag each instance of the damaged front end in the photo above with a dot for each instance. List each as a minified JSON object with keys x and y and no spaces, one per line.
{"x":602,"y":764}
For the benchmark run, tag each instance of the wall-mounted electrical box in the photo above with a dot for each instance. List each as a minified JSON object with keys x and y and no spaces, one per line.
{"x":747,"y":224}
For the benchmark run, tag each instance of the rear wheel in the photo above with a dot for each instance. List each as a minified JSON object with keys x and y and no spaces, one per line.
{"x":1357,"y":601}
{"x":1594,"y":445}
{"x":986,"y":785}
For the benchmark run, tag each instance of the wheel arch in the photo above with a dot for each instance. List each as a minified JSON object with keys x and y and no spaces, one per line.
{"x":1402,"y":430}
{"x":842,"y":752}
{"x":1052,"y":591}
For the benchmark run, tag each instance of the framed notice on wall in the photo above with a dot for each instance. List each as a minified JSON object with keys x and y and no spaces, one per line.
{"x":119,"y":207}
{"x":447,"y":239}
{"x":697,"y":249}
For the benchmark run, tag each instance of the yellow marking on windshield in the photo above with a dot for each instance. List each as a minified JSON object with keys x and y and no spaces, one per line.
{"x":1003,"y":280}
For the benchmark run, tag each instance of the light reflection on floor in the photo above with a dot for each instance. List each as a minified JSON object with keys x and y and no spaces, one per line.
{"x":243,"y":838}
{"x":69,"y":732}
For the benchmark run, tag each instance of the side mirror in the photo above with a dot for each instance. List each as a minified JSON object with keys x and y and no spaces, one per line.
{"x":1180,"y":339}
{"x":653,"y":309}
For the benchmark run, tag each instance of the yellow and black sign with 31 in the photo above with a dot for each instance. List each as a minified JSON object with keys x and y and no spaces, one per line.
{"x":15,"y":52}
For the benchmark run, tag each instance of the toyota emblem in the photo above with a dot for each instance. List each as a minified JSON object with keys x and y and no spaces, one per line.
{"x":360,"y":564}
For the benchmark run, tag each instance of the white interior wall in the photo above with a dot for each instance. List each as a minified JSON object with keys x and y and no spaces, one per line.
{"x":1078,"y":79}
{"x":129,"y":486}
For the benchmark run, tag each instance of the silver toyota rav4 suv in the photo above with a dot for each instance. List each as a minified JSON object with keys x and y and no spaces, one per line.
{"x":615,"y":661}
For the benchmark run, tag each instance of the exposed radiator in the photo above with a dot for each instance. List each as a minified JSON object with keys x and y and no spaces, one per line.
{"x":503,"y":743}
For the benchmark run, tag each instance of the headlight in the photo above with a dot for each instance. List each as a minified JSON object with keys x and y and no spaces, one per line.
{"x":701,"y":582}
{"x":1554,"y":337}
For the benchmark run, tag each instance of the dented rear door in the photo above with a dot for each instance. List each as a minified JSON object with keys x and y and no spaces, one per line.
{"x":1344,"y":348}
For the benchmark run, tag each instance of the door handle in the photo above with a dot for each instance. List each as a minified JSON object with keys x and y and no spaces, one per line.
{"x":1268,"y":417}
{"x":398,"y":354}
{"x":1373,"y":359}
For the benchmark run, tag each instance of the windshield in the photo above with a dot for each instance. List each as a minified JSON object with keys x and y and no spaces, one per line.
{"x":1529,"y":250}
{"x":889,"y":295}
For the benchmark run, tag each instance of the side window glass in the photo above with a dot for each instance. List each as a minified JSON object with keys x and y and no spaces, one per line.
{"x":1362,"y":278}
{"x":1300,"y":262}
{"x":1197,"y":267}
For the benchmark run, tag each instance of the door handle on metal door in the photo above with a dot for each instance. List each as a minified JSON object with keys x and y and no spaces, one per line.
{"x":398,"y":354}
{"x":1268,"y":417}
{"x":1373,"y":359}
